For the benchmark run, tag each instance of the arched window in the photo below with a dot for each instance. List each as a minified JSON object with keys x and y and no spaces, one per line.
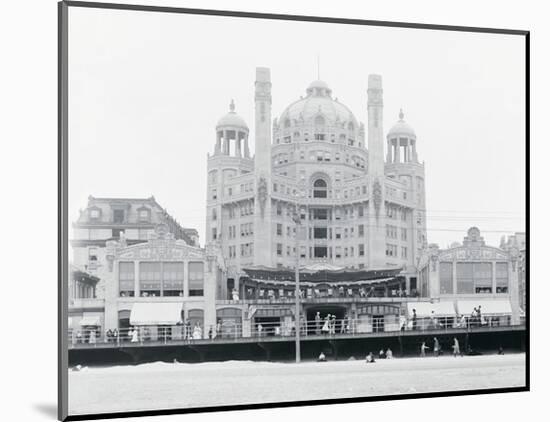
{"x":319,"y":189}
{"x":350,"y":126}
{"x":287,"y":123}
{"x":319,"y":121}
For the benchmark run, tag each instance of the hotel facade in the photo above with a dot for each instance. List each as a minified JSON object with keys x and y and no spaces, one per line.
{"x":319,"y":174}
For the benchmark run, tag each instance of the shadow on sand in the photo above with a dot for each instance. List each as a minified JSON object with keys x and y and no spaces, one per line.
{"x":46,"y":409}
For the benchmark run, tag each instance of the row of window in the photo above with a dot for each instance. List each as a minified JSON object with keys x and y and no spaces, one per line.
{"x":243,"y":209}
{"x":323,"y":251}
{"x":321,"y":156}
{"x":227,"y":174}
{"x":393,"y":250}
{"x":327,"y":214}
{"x":394,"y":193}
{"x":473,"y":277}
{"x":161,"y":278}
{"x":319,"y":120}
{"x":319,"y":136}
{"x":338,"y":178}
{"x":395,"y":212}
{"x":392,"y":232}
{"x":120,"y":215}
{"x":246,"y":229}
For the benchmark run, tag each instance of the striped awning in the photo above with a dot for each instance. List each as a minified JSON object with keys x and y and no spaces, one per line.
{"x":488,"y":306}
{"x":321,"y":273}
{"x":148,"y":313}
{"x":90,"y":321}
{"x":425,"y":309}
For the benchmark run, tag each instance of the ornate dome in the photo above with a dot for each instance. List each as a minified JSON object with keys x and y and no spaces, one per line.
{"x":232,"y":119}
{"x":402,"y":127}
{"x":318,"y":106}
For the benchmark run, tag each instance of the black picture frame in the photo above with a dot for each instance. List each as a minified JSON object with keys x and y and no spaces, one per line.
{"x":63,"y":223}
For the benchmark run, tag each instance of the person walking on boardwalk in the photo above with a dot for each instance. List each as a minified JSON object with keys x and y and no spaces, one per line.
{"x":317,"y":323}
{"x":218,"y":328}
{"x":456,"y":347}
{"x":92,"y":337}
{"x":343,"y":325}
{"x":433,"y":324}
{"x":187,"y":330}
{"x":326,"y":328}
{"x":423,"y":349}
{"x":134,"y":335}
{"x":402,"y":322}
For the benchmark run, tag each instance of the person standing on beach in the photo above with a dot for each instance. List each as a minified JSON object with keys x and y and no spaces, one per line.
{"x":423,"y":349}
{"x":437,"y":348}
{"x":456,"y":347}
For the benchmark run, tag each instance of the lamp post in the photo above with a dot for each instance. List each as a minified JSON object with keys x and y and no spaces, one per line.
{"x":297,"y":322}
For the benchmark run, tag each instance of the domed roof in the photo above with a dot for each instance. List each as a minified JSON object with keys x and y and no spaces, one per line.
{"x":318,"y":84}
{"x":402,"y":127}
{"x":318,"y":102}
{"x":232,"y":119}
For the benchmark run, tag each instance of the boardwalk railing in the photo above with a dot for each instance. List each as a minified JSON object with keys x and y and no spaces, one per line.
{"x":321,"y":328}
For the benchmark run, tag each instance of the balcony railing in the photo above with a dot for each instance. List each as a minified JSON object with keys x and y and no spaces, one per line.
{"x":313,"y":300}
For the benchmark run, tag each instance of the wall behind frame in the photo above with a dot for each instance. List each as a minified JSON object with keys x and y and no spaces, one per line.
{"x":29,"y":162}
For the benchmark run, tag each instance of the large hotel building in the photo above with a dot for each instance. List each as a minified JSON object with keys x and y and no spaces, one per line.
{"x":357,"y":207}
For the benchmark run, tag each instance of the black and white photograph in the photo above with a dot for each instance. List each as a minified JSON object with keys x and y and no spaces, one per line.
{"x":266,"y":210}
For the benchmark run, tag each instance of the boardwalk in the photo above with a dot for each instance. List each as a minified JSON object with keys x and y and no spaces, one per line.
{"x":303,"y":338}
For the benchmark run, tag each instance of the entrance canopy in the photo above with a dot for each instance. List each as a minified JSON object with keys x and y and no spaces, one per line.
{"x":156,"y":313}
{"x":488,"y":306}
{"x":424,"y":309}
{"x":322,"y":273}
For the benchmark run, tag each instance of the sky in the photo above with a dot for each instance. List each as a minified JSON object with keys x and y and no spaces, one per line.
{"x":146,"y":90}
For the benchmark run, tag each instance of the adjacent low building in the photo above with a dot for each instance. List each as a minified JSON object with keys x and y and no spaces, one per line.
{"x":157,"y":284}
{"x":468,"y":276}
{"x":109,"y":228}
{"x":518,"y":241}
